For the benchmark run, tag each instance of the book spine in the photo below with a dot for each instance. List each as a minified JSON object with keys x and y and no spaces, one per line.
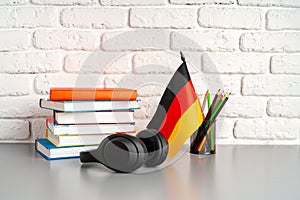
{"x":63,"y":95}
{"x":54,"y":114}
{"x":105,"y":117}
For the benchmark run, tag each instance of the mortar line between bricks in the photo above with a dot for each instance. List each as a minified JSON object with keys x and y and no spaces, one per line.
{"x":167,"y":5}
{"x":278,"y":7}
{"x":19,"y":141}
{"x":25,"y":118}
{"x":254,"y":141}
{"x":272,"y":95}
{"x":108,"y":30}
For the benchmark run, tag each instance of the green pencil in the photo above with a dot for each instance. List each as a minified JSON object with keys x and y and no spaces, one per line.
{"x":208,"y":100}
{"x":210,"y":131}
{"x":215,"y":113}
{"x":216,"y":109}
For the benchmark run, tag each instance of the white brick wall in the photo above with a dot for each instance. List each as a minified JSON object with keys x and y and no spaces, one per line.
{"x":30,"y":62}
{"x":135,"y":40}
{"x":94,"y":17}
{"x":285,"y":64}
{"x":14,"y":129}
{"x":65,"y":2}
{"x":271,"y":42}
{"x":250,"y":47}
{"x":283,"y":19}
{"x":280,"y":3}
{"x":163,"y":17}
{"x":13,"y":2}
{"x":14,"y":40}
{"x":132,"y":2}
{"x":202,"y":2}
{"x":283,"y":107}
{"x":235,"y":63}
{"x":28,"y":17}
{"x":267,"y":129}
{"x":279,"y":85}
{"x":15,"y":85}
{"x":98,"y":62}
{"x":205,"y":40}
{"x":235,"y":18}
{"x":43,"y":82}
{"x":65,"y":39}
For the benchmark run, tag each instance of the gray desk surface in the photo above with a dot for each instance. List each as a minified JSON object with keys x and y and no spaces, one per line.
{"x":235,"y":172}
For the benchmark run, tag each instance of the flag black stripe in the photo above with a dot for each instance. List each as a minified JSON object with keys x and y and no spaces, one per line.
{"x":184,"y":71}
{"x":162,"y":109}
{"x":180,"y":78}
{"x":157,"y":118}
{"x":177,"y":82}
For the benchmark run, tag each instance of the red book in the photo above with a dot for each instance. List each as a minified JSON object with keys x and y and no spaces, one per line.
{"x":80,"y":94}
{"x":49,"y":120}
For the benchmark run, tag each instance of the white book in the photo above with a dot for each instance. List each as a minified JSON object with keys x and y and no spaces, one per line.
{"x":93,"y":117}
{"x":83,"y":106}
{"x":83,"y":129}
{"x":74,"y":140}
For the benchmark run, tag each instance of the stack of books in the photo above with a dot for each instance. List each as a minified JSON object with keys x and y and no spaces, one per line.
{"x":83,"y":117}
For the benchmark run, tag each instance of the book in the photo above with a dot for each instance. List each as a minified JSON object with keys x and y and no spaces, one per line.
{"x":83,"y":106}
{"x":94,"y":117}
{"x":69,"y":94}
{"x":50,"y":152}
{"x":74,"y":140}
{"x":84,"y":129}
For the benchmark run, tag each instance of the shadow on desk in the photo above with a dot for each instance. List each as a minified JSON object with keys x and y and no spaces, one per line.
{"x":169,"y":183}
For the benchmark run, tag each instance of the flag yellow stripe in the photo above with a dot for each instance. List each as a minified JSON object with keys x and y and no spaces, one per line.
{"x":185,"y":127}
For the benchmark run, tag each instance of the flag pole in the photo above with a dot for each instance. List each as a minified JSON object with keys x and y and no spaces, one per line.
{"x":182,"y":57}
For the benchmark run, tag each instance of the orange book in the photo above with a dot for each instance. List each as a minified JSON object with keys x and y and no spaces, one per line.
{"x":80,"y":94}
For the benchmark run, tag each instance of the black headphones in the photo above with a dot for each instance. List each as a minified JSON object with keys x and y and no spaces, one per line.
{"x":126,"y":153}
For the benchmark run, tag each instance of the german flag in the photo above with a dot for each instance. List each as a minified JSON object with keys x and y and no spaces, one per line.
{"x":179,"y":112}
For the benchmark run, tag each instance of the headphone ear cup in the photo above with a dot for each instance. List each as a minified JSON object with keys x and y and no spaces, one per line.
{"x":122,"y":153}
{"x":157,"y":146}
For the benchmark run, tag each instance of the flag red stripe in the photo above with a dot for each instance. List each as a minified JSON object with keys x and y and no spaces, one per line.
{"x":185,"y":97}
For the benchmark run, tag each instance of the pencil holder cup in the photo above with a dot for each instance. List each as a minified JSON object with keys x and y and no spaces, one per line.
{"x":203,"y":142}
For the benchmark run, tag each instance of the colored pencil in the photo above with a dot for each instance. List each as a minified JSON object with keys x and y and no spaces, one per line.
{"x":204,"y":100}
{"x":213,"y":104}
{"x":219,"y":110}
{"x":215,"y":108}
{"x":208,"y":100}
